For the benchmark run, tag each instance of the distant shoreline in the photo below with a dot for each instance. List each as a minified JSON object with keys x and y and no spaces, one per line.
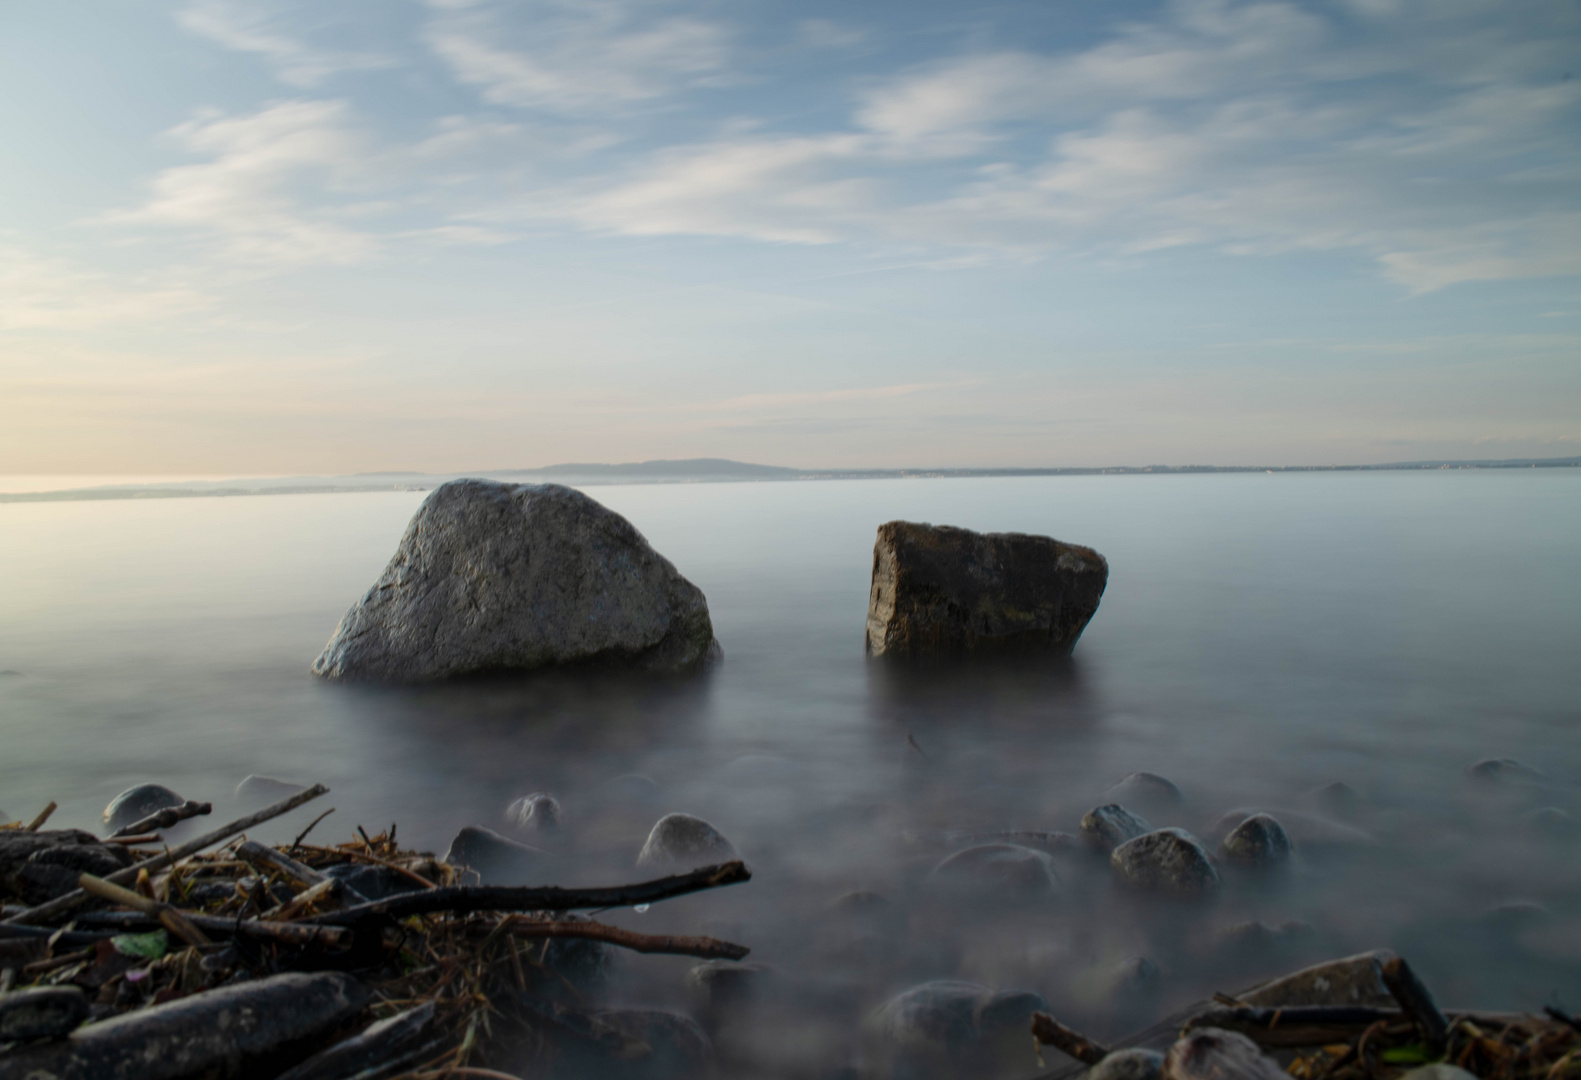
{"x":696,"y":471}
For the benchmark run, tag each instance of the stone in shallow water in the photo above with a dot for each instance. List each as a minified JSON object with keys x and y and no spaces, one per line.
{"x":1132,"y":1064}
{"x":722,"y":990}
{"x":1144,"y":789}
{"x":1259,"y":841}
{"x":682,"y":838}
{"x":496,"y":859}
{"x":538,"y":812}
{"x":44,"y":1012}
{"x":947,"y":1015}
{"x":1306,"y":831}
{"x":1550,"y":821}
{"x":1105,"y":828}
{"x":677,"y":1049}
{"x":940,"y":591}
{"x":262,"y":790}
{"x":1170,"y":861}
{"x":136,"y":803}
{"x":1338,"y":798}
{"x":1007,"y":869}
{"x":1504,"y":771}
{"x":495,"y":577}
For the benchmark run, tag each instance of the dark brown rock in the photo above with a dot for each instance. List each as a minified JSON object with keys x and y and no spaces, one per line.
{"x":939,"y":591}
{"x":39,"y":866}
{"x":44,"y":1012}
{"x":1165,"y":861}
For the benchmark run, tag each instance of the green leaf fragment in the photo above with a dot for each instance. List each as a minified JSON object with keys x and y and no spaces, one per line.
{"x":1406,"y":1055}
{"x":149,"y":946}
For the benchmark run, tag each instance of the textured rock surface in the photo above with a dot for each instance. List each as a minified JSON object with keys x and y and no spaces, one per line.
{"x":497,"y":860}
{"x":1211,"y":1054}
{"x":1165,"y":860}
{"x":1133,"y":1064}
{"x":136,"y":803}
{"x":538,"y":812}
{"x":682,"y":838}
{"x":1306,"y":831}
{"x":939,"y":591}
{"x":211,"y":1033}
{"x":44,"y":1012}
{"x":511,"y":577}
{"x":1258,"y":841}
{"x":39,"y":866}
{"x":949,"y":1015}
{"x":1105,"y":828}
{"x":1005,"y":869}
{"x":1350,"y":980}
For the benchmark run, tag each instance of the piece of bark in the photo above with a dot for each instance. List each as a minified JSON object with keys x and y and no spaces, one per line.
{"x":217,"y":1033}
{"x":1417,"y":1003}
{"x":1050,"y":1032}
{"x":1215,"y":1054}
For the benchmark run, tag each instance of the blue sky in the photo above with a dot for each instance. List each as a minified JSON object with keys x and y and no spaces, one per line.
{"x":267,"y":237}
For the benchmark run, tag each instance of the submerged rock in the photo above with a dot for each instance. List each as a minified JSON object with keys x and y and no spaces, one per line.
{"x":512,"y":577}
{"x":1504,"y":771}
{"x":1004,"y":868}
{"x":722,"y":990}
{"x":949,"y":1015}
{"x":1144,"y":789}
{"x":1306,"y":831}
{"x":1105,"y":828}
{"x":136,"y":803}
{"x":266,"y":789}
{"x":43,"y":1012}
{"x":1166,"y":861}
{"x":538,"y":812}
{"x":1259,"y":841}
{"x":1133,"y":1064}
{"x":941,"y":591}
{"x":1338,"y":798}
{"x":1550,"y":821}
{"x":682,"y":838}
{"x":496,"y":859}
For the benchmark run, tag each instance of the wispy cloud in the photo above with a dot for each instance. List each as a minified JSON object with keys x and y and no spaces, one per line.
{"x":265,"y":28}
{"x":44,"y":293}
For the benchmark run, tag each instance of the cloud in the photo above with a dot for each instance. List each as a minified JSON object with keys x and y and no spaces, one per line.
{"x":577,"y":56}
{"x":250,"y":193}
{"x":254,"y":26}
{"x":43,"y":293}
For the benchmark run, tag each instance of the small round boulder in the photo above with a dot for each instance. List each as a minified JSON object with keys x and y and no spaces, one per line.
{"x":496,"y":859}
{"x":1168,"y":861}
{"x":538,"y":812}
{"x":1133,"y":1064}
{"x":1008,"y":869}
{"x":1105,"y":828}
{"x":1259,"y":841}
{"x":136,"y":803}
{"x":682,"y":838}
{"x":1145,"y":789}
{"x":1504,"y":771}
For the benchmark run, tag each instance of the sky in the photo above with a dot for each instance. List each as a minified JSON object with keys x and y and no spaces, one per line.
{"x":268,"y":238}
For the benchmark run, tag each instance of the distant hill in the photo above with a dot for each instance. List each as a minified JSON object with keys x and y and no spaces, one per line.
{"x":687,"y":471}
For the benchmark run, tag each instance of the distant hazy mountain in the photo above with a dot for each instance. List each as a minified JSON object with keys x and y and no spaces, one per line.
{"x":685,"y":469}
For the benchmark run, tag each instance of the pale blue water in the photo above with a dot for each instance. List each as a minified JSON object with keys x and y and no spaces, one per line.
{"x":1261,"y":635}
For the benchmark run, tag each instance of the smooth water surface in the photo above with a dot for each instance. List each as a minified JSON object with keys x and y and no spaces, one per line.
{"x":1261,"y":635}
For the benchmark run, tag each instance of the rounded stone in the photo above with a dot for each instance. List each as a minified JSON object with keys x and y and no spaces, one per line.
{"x":1258,"y":841}
{"x":494,"y":577}
{"x":538,"y":812}
{"x":1105,"y":828}
{"x":1168,"y":861}
{"x":941,"y":1014}
{"x":1144,"y":789}
{"x":1504,"y":771}
{"x":1337,"y":798}
{"x":1550,"y":821}
{"x":1306,"y":831}
{"x":1004,"y":868}
{"x":44,"y":1012}
{"x":1133,"y":1064}
{"x":1009,"y":1010}
{"x":497,"y":860}
{"x":682,"y":838}
{"x":722,"y":989}
{"x":266,"y":789}
{"x":136,"y":803}
{"x":861,"y":902}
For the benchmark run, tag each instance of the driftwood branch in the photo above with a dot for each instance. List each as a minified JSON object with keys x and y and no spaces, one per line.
{"x":163,"y":819}
{"x":168,"y":917}
{"x":63,"y":905}
{"x":1417,"y":1003}
{"x":1304,"y":1025}
{"x":216,"y":926}
{"x":1050,"y":1032}
{"x":43,"y":815}
{"x":705,"y":948}
{"x":270,"y":860}
{"x":462,"y":899}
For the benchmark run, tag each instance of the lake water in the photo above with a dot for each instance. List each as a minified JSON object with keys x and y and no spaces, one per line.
{"x":1261,"y":635}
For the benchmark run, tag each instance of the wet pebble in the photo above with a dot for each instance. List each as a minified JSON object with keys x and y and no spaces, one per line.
{"x":538,"y":812}
{"x":494,"y":858}
{"x":1169,"y":861}
{"x":136,"y":803}
{"x":1259,"y":841}
{"x":1105,"y":828}
{"x":1146,"y":790}
{"x":45,"y":1012}
{"x":1133,"y":1064}
{"x":1006,"y":869}
{"x":682,"y":838}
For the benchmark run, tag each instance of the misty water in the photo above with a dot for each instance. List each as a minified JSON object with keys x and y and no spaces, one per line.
{"x":1261,"y":636}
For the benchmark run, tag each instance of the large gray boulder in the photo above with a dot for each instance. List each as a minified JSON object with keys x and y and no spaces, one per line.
{"x":939,"y":591}
{"x":511,"y":577}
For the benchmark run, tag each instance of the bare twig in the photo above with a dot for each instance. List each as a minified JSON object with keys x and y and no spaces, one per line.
{"x":163,"y":819}
{"x":303,"y":834}
{"x":1050,"y":1032}
{"x":168,"y":917}
{"x":43,"y":815}
{"x":706,"y":948}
